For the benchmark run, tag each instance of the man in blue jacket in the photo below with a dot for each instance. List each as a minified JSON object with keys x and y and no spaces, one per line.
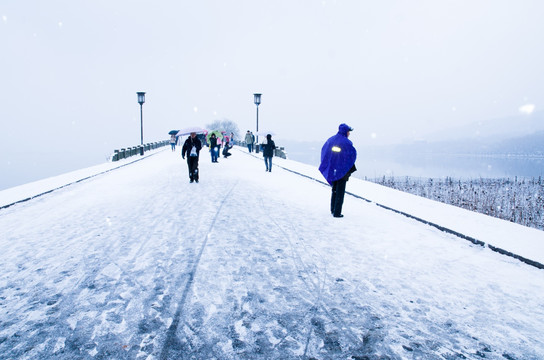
{"x":337,"y":163}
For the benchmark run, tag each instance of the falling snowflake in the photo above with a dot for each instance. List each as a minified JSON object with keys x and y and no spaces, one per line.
{"x":527,"y":109}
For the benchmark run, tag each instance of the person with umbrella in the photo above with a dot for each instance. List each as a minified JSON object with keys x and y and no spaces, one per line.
{"x":214,"y":150}
{"x":191,"y":148}
{"x":337,"y":163}
{"x":213,"y":139}
{"x":173,"y":139}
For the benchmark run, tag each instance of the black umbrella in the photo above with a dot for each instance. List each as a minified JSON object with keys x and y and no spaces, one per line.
{"x":173,"y":132}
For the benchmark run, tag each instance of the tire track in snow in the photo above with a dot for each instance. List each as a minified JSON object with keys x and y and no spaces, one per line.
{"x":315,"y":282}
{"x":315,"y":278}
{"x":172,"y":343}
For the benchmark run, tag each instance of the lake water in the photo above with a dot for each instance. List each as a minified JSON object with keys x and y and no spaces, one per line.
{"x":20,"y":166}
{"x":372,"y":165}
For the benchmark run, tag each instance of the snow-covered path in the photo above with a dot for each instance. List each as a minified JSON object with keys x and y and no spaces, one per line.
{"x":139,"y":263}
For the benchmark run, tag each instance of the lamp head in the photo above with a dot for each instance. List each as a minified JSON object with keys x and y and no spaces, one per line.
{"x":141,"y":97}
{"x":257,"y":99}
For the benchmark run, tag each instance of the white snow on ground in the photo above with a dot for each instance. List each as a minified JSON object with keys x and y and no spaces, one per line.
{"x":139,"y":263}
{"x":521,"y":240}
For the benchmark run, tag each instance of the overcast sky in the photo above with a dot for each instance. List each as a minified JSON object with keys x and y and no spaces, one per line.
{"x":393,"y":70}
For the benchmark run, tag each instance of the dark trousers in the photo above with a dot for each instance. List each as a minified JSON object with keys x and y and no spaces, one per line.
{"x":214,"y":151}
{"x":192,"y":163}
{"x":337,"y":197}
{"x":268,"y":163}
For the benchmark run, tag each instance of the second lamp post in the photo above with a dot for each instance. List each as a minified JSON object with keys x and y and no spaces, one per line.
{"x":141,"y":100}
{"x":257,"y":101}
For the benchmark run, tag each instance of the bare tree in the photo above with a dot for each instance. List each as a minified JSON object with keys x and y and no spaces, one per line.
{"x":226,"y":125}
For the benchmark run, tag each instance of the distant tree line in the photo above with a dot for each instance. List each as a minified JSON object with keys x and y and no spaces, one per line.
{"x":517,"y":200}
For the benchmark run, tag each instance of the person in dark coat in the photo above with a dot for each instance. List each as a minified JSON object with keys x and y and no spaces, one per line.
{"x":268,"y":151}
{"x":338,"y":157}
{"x":226,"y":149}
{"x":191,"y":148}
{"x":214,"y":148}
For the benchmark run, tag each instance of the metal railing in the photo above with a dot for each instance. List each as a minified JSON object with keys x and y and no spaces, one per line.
{"x":137,"y":150}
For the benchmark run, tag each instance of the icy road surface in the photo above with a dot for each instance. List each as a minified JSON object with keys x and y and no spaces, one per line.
{"x":140,"y":264}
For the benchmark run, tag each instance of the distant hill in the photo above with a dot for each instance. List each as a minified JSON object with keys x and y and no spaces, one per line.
{"x":496,"y":129}
{"x":521,"y":135}
{"x":527,"y":145}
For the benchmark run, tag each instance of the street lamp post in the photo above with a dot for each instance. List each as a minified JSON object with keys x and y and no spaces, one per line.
{"x":257,"y":101}
{"x":141,"y":100}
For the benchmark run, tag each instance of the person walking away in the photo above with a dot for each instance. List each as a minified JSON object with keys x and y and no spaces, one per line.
{"x":268,"y":152}
{"x":249,"y":141}
{"x":191,"y":149}
{"x":173,"y":141}
{"x":337,"y":164}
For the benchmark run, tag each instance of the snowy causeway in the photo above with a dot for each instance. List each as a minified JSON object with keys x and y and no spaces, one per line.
{"x":138,"y":263}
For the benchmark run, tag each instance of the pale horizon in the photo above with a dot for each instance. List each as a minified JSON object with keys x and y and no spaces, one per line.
{"x":394,"y":71}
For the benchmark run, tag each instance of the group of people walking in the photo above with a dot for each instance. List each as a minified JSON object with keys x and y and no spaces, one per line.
{"x":191,"y":149}
{"x":338,"y":157}
{"x":250,"y":140}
